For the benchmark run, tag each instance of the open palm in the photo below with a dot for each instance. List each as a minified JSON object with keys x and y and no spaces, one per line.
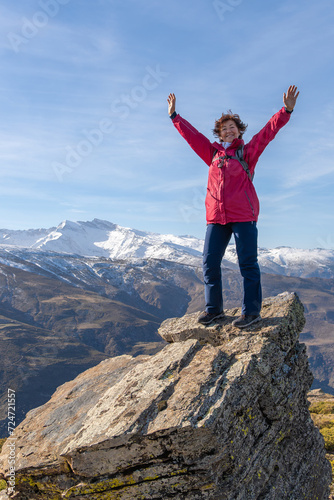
{"x":290,"y":97}
{"x":171,"y":99}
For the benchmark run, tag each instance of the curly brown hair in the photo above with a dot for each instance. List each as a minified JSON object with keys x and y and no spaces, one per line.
{"x":229,"y":116}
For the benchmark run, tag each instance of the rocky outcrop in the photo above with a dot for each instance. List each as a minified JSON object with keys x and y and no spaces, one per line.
{"x":218,"y":413}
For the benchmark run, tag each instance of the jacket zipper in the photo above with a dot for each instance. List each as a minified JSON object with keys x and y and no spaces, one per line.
{"x":250,"y":203}
{"x":222,"y":180}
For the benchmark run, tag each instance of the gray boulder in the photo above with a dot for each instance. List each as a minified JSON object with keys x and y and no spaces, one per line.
{"x":219,"y":413}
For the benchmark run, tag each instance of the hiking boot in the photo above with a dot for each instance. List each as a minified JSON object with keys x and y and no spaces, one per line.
{"x":246,"y":320}
{"x":207,"y":318}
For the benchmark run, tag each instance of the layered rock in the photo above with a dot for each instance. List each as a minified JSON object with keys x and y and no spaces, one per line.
{"x":219,"y":413}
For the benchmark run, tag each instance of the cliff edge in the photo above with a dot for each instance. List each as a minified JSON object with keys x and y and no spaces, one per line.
{"x":218,"y":413}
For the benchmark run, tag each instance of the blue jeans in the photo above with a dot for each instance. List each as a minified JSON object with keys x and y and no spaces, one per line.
{"x":216,"y":240}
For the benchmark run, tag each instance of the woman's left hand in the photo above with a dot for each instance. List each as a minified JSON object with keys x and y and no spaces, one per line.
{"x":290,"y":98}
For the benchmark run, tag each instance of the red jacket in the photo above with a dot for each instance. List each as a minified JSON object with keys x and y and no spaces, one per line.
{"x":231,"y":196}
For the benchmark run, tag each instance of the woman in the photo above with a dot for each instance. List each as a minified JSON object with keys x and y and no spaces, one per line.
{"x":232,"y":205}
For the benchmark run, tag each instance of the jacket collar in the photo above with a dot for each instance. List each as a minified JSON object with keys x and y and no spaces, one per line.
{"x":235,"y":144}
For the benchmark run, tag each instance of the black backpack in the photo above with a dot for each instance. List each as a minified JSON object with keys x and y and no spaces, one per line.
{"x":239,"y":155}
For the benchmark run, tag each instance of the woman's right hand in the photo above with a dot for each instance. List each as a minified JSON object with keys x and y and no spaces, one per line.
{"x":171,"y":99}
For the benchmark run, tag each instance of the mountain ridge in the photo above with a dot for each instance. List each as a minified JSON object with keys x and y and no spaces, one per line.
{"x":104,"y":239}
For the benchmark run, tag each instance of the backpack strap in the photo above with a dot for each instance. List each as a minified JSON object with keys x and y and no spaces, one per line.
{"x":239,"y":155}
{"x":214,"y":154}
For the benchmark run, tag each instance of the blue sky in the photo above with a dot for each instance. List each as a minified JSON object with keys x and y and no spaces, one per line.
{"x":84,"y":126}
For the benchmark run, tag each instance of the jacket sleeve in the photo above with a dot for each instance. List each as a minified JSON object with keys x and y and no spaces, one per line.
{"x":260,"y":141}
{"x":197,"y":141}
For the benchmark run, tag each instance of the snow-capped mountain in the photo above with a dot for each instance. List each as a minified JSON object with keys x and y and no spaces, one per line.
{"x":103,"y":239}
{"x":100,"y":238}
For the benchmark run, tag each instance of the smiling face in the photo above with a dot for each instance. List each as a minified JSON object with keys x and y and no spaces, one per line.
{"x":229,"y":131}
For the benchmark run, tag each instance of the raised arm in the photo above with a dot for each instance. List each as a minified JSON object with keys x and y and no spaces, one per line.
{"x":197,"y":141}
{"x":261,"y":140}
